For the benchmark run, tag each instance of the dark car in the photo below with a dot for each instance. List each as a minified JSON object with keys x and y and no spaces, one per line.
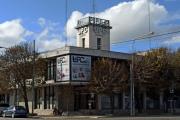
{"x":15,"y":111}
{"x":3,"y":106}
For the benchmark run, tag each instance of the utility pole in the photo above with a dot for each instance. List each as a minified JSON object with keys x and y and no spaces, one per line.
{"x":132,"y":102}
{"x":33,"y":77}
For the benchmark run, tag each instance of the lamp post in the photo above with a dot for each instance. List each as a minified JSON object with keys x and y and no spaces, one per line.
{"x":132,"y":91}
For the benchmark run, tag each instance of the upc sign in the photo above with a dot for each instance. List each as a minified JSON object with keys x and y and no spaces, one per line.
{"x":79,"y":59}
{"x":61,"y":60}
{"x":80,"y":67}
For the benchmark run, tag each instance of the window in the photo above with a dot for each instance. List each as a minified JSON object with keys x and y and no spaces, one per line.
{"x":98,"y":43}
{"x":105,"y":102}
{"x":49,"y":100}
{"x":83,"y":42}
{"x":37,"y":102}
{"x":51,"y":73}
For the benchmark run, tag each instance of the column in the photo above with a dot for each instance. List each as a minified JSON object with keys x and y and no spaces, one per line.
{"x":123,"y":100}
{"x":56,"y":96}
{"x":144,"y":100}
{"x":161,"y":95}
{"x":99,"y":102}
{"x":42,"y":98}
{"x":5,"y":98}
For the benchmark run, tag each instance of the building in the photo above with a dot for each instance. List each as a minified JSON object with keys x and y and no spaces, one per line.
{"x":69,"y":69}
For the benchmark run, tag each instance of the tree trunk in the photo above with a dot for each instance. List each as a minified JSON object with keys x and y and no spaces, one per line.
{"x":25,"y":99}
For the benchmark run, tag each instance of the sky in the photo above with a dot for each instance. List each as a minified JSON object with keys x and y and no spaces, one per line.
{"x":45,"y":21}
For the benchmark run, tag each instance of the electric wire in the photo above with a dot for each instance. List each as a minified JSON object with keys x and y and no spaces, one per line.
{"x":151,"y":35}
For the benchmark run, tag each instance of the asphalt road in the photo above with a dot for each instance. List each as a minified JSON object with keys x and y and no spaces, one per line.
{"x":95,"y":118}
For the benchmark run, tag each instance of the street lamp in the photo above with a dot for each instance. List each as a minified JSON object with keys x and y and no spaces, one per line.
{"x":132,"y":91}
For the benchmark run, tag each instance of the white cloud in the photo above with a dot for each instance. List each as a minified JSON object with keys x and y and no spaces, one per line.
{"x":71,"y":24}
{"x":174,"y":40}
{"x":42,"y":21}
{"x":12,"y":32}
{"x":128,"y":19}
{"x":47,"y":40}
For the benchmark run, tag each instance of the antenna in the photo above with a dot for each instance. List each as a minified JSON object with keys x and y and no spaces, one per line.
{"x":93,"y":7}
{"x":94,"y":12}
{"x":66,"y":17}
{"x":149,"y":21}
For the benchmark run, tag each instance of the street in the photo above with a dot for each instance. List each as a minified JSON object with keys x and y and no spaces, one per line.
{"x":96,"y":118}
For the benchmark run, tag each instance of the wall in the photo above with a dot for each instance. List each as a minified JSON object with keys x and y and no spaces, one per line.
{"x":91,"y":38}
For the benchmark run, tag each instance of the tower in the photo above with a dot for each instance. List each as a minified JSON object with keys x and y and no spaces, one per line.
{"x":93,"y":33}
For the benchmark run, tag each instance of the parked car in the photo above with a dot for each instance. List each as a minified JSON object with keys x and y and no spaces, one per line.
{"x":3,"y":106}
{"x":15,"y":111}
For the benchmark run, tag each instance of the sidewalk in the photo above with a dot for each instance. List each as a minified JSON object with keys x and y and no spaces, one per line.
{"x":74,"y":117}
{"x":108,"y":116}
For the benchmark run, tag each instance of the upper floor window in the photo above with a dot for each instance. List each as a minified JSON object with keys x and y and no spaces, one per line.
{"x":83,"y":42}
{"x":98,"y":43}
{"x":51,"y":67}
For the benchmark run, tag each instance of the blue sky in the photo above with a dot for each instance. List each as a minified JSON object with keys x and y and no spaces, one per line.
{"x":45,"y":21}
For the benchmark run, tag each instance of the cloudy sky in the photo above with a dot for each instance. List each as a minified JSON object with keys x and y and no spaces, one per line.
{"x":45,"y":21}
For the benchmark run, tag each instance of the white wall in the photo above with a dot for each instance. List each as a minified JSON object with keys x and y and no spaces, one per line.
{"x":91,"y":38}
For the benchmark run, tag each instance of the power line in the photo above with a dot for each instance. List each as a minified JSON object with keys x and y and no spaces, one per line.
{"x":150,"y":35}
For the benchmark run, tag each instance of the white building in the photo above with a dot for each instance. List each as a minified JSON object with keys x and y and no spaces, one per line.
{"x":69,"y":69}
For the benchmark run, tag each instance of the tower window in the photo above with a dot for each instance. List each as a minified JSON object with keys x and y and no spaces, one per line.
{"x":83,"y":42}
{"x":98,"y":43}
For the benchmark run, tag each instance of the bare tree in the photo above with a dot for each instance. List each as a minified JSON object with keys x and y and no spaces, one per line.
{"x":4,"y":85}
{"x":18,"y":67}
{"x":107,"y":76}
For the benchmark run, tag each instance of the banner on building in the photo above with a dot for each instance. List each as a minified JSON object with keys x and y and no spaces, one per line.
{"x":80,"y":67}
{"x":63,"y":68}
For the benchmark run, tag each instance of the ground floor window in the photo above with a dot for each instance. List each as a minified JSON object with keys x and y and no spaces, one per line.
{"x":48,"y":97}
{"x":2,"y":98}
{"x":38,"y":100}
{"x":106,"y":101}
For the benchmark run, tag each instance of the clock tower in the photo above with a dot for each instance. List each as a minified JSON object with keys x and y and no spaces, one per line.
{"x":93,"y":33}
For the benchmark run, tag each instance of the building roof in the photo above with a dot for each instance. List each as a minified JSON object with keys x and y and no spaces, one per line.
{"x":85,"y":51}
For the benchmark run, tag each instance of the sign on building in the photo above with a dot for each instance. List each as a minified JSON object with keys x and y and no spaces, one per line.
{"x":63,"y":68}
{"x":80,"y":67}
